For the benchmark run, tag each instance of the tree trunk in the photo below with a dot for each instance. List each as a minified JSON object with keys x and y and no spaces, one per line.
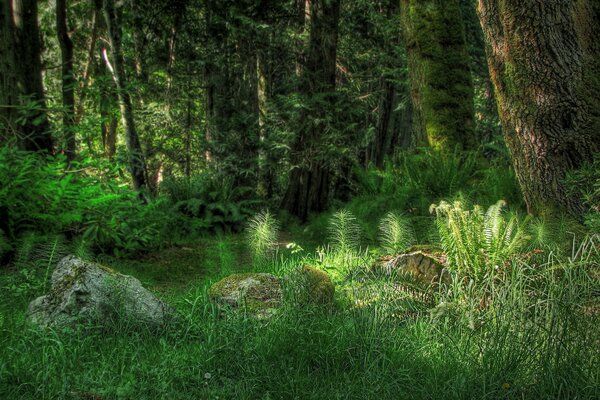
{"x":384,"y":130}
{"x":438,"y":65}
{"x":91,"y":61}
{"x":68,"y":80}
{"x":137,"y":164}
{"x":22,"y":85}
{"x":8,"y":89}
{"x":308,"y":184}
{"x":544,"y":60}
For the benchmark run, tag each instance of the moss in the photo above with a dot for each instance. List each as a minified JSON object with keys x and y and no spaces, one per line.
{"x":253,"y":291}
{"x":317,"y":284}
{"x":56,"y":293}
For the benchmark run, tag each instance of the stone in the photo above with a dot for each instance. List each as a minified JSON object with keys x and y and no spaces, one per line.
{"x":86,"y":292}
{"x":258,"y":294}
{"x":427,"y":267}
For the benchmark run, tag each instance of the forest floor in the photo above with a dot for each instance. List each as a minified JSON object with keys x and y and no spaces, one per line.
{"x":375,"y":351}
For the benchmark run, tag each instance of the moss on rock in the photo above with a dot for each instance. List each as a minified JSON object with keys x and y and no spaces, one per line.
{"x":256,"y":293}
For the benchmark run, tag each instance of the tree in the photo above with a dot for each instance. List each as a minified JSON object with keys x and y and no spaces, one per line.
{"x":308,"y":185}
{"x":21,"y":71}
{"x":438,"y":65}
{"x":137,"y":164}
{"x":544,"y":60}
{"x":68,"y":79}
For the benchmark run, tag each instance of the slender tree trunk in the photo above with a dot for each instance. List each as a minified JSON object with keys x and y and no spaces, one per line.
{"x":91,"y":61}
{"x":68,"y":79}
{"x":308,"y":183}
{"x":544,"y":60}
{"x":35,"y":132}
{"x":137,"y":165}
{"x":438,"y":64}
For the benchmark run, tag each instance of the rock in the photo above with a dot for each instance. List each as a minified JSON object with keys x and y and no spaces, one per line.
{"x":91,"y":293}
{"x":311,"y":285}
{"x":259,"y":294}
{"x":425,"y":266}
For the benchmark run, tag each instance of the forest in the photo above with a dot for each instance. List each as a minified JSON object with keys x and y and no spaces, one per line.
{"x":299,"y":199}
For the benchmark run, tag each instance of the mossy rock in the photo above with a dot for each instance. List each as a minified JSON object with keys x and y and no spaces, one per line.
{"x":312,"y":285}
{"x":258,"y":294}
{"x":424,"y":264}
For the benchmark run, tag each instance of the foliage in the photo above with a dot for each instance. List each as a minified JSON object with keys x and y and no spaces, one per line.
{"x":478,"y":243}
{"x":262,"y":234}
{"x":587,"y":179}
{"x":46,"y":196}
{"x":209,"y":202}
{"x":396,"y":233}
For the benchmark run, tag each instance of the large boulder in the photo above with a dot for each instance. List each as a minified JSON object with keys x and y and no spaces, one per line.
{"x":258,"y":294}
{"x":85,"y":292}
{"x":426,"y":266}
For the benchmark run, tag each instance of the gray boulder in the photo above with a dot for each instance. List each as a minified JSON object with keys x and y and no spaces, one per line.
{"x":84,"y":292}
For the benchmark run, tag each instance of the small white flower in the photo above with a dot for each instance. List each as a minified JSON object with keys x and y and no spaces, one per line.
{"x":207,"y":375}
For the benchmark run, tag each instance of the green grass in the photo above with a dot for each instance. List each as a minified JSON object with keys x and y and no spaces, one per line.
{"x":537,"y":337}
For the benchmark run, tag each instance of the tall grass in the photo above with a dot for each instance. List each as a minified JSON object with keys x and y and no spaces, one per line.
{"x":529,"y":332}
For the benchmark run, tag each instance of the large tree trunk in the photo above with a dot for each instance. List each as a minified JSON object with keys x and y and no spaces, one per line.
{"x":68,"y":79}
{"x":308,"y":185}
{"x":137,"y":164}
{"x":438,"y":65}
{"x":21,"y":73}
{"x":544,"y":60}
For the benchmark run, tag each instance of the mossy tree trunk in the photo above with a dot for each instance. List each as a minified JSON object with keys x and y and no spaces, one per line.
{"x":438,"y":65}
{"x":309,"y":180}
{"x":544,"y":60}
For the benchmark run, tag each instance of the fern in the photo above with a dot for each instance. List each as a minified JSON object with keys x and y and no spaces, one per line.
{"x":477,"y":243}
{"x":396,"y":233}
{"x":344,"y":232}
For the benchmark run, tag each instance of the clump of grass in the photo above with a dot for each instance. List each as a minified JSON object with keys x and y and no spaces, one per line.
{"x":344,"y":232}
{"x":396,"y":233}
{"x":262,"y":233}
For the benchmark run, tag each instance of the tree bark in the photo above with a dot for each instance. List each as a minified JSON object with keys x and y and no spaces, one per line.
{"x":68,"y":79}
{"x":308,"y":182}
{"x":21,"y":70}
{"x":137,"y":164}
{"x":438,"y":65}
{"x":544,"y":60}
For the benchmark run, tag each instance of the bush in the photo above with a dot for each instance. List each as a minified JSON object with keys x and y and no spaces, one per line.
{"x":209,"y":202}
